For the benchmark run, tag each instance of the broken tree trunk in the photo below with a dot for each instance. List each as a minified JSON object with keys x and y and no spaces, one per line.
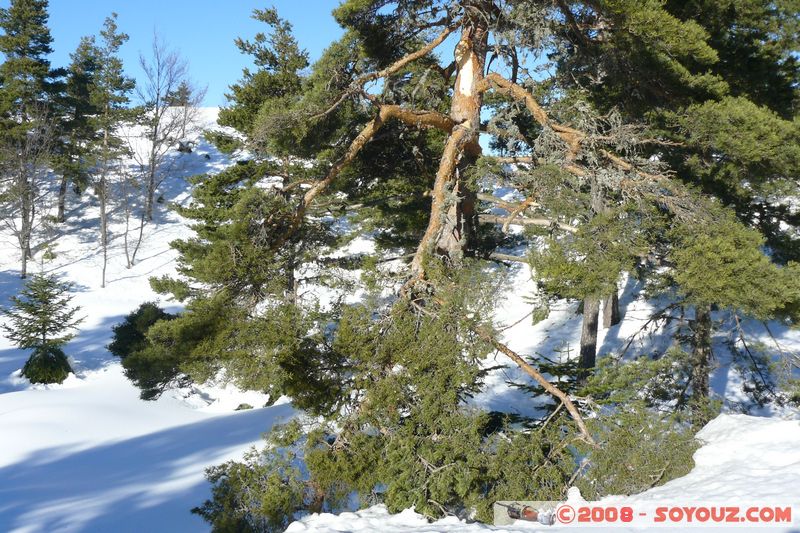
{"x":701,"y":359}
{"x":611,"y":314}
{"x":591,"y":313}
{"x":451,"y":223}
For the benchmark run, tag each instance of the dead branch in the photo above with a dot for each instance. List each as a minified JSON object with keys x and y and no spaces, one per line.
{"x":539,"y":378}
{"x":525,"y":204}
{"x":522,"y":221}
{"x":506,"y":257}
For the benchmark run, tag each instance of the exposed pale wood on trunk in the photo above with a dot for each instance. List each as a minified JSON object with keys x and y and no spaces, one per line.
{"x":450,"y":224}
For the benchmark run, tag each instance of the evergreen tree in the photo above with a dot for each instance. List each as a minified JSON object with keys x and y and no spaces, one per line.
{"x":28,"y":88}
{"x":40,"y":319}
{"x":110,"y":96}
{"x":600,"y":183}
{"x":77,"y":125}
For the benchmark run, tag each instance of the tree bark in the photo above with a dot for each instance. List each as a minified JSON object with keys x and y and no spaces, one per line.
{"x":451,"y":224}
{"x":611,"y":314}
{"x":591,"y":314}
{"x":62,"y":199}
{"x":701,"y":358}
{"x":26,"y":222}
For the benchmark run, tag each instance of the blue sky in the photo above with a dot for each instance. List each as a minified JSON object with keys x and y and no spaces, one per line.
{"x":202,"y":30}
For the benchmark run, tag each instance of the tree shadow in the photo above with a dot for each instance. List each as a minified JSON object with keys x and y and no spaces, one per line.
{"x":145,"y":483}
{"x":87,"y":353}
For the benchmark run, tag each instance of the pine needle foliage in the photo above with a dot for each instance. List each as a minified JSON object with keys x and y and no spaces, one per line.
{"x":40,"y":318}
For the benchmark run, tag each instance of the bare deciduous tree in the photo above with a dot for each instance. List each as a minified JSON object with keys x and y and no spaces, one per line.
{"x":23,"y":190}
{"x":166,"y":75}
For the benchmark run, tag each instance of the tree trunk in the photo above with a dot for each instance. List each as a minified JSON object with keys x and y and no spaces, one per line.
{"x":701,"y":358}
{"x":151,"y":191}
{"x":26,"y":224}
{"x":103,"y":230}
{"x":591,"y":314}
{"x":62,"y":200}
{"x":591,"y":304}
{"x":450,"y":226}
{"x":611,"y":314}
{"x":102,"y":193}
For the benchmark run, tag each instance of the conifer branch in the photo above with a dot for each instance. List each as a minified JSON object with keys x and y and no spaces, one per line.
{"x":571,"y":137}
{"x":412,"y":117}
{"x":359,"y":82}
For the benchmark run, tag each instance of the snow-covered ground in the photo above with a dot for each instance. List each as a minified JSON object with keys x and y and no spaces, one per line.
{"x":89,"y":455}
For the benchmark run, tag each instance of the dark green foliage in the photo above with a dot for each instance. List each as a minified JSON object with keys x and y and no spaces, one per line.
{"x":660,"y":382}
{"x":589,"y":262}
{"x":28,"y":83}
{"x":42,"y":315}
{"x":191,"y":336}
{"x":129,"y":336}
{"x":638,"y":449}
{"x":409,"y":440}
{"x":260,"y":494}
{"x":47,"y":364}
{"x":723,"y":264}
{"x":77,"y":126}
{"x":227,"y":144}
{"x":279,"y":61}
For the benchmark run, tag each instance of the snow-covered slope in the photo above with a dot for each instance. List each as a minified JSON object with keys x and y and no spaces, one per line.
{"x":89,"y":455}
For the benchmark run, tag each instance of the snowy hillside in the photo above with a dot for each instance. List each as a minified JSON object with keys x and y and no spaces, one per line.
{"x":89,"y":455}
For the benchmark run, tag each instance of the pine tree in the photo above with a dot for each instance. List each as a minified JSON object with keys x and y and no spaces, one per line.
{"x":73,"y":162}
{"x":601,"y":181}
{"x":110,"y":96}
{"x":40,"y":319}
{"x":28,"y":88}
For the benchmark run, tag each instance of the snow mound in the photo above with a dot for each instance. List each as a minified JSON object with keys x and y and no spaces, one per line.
{"x":744,"y":458}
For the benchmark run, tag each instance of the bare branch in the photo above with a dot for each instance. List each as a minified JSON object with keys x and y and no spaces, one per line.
{"x":359,"y":82}
{"x":539,"y":378}
{"x":522,"y":221}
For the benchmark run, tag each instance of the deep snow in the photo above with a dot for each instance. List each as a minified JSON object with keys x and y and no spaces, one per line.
{"x":88,"y":455}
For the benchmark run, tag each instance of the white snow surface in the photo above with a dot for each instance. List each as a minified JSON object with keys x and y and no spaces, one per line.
{"x":89,"y":455}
